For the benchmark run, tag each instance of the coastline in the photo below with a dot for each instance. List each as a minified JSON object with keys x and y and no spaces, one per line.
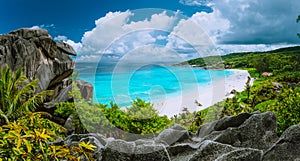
{"x":207,"y":95}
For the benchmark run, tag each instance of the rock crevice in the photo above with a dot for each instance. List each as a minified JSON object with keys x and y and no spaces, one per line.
{"x":246,"y":137}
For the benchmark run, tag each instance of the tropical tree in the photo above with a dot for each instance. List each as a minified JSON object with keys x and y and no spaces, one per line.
{"x":17,"y":94}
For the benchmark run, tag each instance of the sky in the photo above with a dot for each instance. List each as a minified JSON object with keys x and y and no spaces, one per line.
{"x":171,"y":30}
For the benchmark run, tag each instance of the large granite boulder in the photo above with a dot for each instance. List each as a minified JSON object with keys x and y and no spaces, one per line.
{"x":287,"y":147}
{"x":259,"y":131}
{"x":210,"y":150}
{"x":39,"y":56}
{"x":172,"y":135}
{"x":227,"y":139}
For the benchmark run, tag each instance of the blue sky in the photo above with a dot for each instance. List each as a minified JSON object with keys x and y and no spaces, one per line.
{"x":73,"y":17}
{"x":111,"y":29}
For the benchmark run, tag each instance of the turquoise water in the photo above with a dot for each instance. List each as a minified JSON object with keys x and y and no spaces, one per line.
{"x":151,"y":82}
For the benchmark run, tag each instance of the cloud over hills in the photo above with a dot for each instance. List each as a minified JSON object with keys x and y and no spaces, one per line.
{"x":232,"y":26}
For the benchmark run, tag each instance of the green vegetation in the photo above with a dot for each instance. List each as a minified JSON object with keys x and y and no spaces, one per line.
{"x":26,"y":133}
{"x":278,"y":93}
{"x":277,"y":61}
{"x":17,"y":94}
{"x":140,"y":118}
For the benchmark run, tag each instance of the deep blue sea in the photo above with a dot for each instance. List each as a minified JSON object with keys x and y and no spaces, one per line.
{"x":123,"y":84}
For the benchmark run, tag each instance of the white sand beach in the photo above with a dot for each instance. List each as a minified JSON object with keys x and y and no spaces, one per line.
{"x":207,"y":95}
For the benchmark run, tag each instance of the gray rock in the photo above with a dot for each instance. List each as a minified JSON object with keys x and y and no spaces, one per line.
{"x":66,"y":48}
{"x":206,"y":129}
{"x":96,"y":139}
{"x":231,"y":121}
{"x":259,"y":132}
{"x":210,"y":150}
{"x":86,"y":89}
{"x":246,"y":140}
{"x":151,"y":152}
{"x":172,"y":135}
{"x":39,"y":56}
{"x":183,"y":151}
{"x":246,"y":154}
{"x":116,"y":150}
{"x":287,"y":147}
{"x":69,"y":125}
{"x":222,"y":124}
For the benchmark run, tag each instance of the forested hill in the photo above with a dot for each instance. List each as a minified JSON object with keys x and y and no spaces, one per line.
{"x":284,"y":59}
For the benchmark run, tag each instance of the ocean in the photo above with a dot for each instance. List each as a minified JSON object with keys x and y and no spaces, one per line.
{"x":151,"y":82}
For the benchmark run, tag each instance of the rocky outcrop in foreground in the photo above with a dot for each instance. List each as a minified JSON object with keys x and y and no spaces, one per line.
{"x":35,"y":51}
{"x":247,"y":137}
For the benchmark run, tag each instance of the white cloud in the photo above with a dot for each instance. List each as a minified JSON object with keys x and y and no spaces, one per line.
{"x":88,"y":58}
{"x":161,"y":37}
{"x":43,"y":26}
{"x":151,"y":55}
{"x":255,"y":21}
{"x":232,"y":22}
{"x":76,"y":46}
{"x":115,"y":33}
{"x":61,"y":38}
{"x":212,"y":23}
{"x":35,"y":27}
{"x":234,"y":48}
{"x":195,"y":2}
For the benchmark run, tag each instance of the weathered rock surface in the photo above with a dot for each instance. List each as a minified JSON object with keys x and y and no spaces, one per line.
{"x":287,"y":147}
{"x":44,"y":59}
{"x":245,"y":130}
{"x":39,"y":56}
{"x":235,"y":141}
{"x":86,"y":89}
{"x":172,"y":135}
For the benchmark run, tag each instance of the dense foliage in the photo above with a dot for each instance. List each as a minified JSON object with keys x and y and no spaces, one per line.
{"x":278,"y":93}
{"x":140,"y":118}
{"x":17,"y":94}
{"x":276,"y":61}
{"x":25,"y":134}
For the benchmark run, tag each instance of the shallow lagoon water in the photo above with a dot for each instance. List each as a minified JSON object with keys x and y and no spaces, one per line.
{"x":151,"y":82}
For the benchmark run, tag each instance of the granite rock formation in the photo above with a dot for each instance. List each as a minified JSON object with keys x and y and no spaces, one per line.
{"x":247,"y":137}
{"x":35,"y":51}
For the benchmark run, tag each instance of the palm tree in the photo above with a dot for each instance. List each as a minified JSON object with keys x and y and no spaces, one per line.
{"x":17,"y":94}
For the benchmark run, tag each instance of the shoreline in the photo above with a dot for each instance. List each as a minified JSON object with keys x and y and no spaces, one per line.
{"x":207,"y":95}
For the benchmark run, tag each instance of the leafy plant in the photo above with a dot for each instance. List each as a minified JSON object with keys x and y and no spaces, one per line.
{"x":17,"y":94}
{"x":28,"y":138}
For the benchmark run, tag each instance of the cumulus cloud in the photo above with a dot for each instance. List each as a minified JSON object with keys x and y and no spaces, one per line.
{"x":151,"y":55}
{"x":76,"y":45}
{"x":240,"y":26}
{"x":62,"y":38}
{"x":255,"y":22}
{"x":230,"y":27}
{"x":116,"y":33}
{"x":212,"y":23}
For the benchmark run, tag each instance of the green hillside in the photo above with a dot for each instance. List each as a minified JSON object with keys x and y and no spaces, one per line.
{"x":277,"y":61}
{"x":279,"y":93}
